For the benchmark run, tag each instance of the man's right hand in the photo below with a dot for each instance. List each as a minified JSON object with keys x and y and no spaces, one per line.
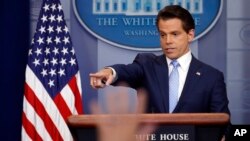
{"x":101,"y":78}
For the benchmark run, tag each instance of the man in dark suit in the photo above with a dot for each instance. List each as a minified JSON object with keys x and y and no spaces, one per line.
{"x":201,"y":88}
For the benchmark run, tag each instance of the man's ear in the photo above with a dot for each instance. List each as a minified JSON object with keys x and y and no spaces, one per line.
{"x":191,"y":34}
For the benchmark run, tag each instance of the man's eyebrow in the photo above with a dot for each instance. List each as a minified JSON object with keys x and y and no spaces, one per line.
{"x":174,"y":31}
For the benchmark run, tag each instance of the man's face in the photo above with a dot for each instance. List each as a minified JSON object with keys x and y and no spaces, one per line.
{"x":173,"y":38}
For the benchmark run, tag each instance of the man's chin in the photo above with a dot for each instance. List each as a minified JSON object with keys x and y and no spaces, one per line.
{"x":171,"y":56}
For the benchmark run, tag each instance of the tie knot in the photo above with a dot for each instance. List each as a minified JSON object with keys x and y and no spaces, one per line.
{"x":175,"y":63}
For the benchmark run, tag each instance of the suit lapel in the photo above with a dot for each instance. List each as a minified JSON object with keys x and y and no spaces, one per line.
{"x":162,"y":76}
{"x":191,"y":81}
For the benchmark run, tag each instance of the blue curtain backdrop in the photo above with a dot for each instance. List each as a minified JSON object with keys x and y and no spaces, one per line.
{"x":14,"y":43}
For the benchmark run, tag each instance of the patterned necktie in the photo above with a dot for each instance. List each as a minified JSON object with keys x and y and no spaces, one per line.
{"x":173,"y":86}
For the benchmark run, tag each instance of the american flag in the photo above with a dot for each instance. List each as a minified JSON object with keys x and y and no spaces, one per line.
{"x":52,"y":79}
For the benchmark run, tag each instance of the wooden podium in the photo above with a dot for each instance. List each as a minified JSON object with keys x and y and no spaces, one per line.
{"x":198,"y":126}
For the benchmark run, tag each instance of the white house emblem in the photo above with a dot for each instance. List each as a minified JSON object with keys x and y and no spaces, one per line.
{"x":130,"y":24}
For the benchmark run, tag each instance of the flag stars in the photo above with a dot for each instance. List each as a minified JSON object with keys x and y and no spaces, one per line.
{"x":52,"y":72}
{"x":54,"y":61}
{"x":36,"y":62}
{"x":57,"y":40}
{"x":66,"y":30}
{"x":30,"y":52}
{"x":44,"y":18}
{"x":61,"y":72}
{"x":38,"y":51}
{"x":63,"y":62}
{"x":42,"y":29}
{"x":72,"y":61}
{"x":59,"y":7}
{"x":51,"y":51}
{"x":47,"y":51}
{"x":46,"y":7}
{"x":32,"y":41}
{"x":59,"y":19}
{"x":52,"y":18}
{"x":72,"y":51}
{"x":58,"y":29}
{"x":49,"y":40}
{"x":45,"y":62}
{"x":51,"y":83}
{"x":50,"y":29}
{"x":40,"y":40}
{"x":53,"y":7}
{"x":55,"y":51}
{"x":66,"y":40}
{"x":44,"y":72}
{"x":65,"y":51}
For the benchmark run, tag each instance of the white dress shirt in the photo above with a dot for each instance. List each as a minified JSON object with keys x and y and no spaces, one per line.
{"x":184,"y":62}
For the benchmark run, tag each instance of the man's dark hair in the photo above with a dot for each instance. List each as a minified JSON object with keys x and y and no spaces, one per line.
{"x":176,"y":11}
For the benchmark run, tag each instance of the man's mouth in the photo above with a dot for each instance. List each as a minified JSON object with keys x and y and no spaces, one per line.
{"x":169,"y":49}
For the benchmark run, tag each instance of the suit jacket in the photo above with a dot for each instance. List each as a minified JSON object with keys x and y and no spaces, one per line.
{"x":204,"y":90}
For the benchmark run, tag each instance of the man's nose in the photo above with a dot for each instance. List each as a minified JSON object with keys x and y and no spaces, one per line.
{"x":168,"y":39}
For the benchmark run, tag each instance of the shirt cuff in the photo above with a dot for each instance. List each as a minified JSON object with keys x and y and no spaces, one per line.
{"x":113,"y":73}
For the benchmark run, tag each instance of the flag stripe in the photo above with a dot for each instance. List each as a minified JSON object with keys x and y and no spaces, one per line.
{"x":25,"y":135}
{"x":30,"y":129}
{"x":49,"y":105}
{"x":78,"y":81}
{"x":62,"y":106}
{"x":40,"y":110}
{"x":78,"y":102}
{"x":68,"y":96}
{"x":38,"y":123}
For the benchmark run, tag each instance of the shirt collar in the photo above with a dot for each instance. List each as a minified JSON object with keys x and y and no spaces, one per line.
{"x":184,"y":61}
